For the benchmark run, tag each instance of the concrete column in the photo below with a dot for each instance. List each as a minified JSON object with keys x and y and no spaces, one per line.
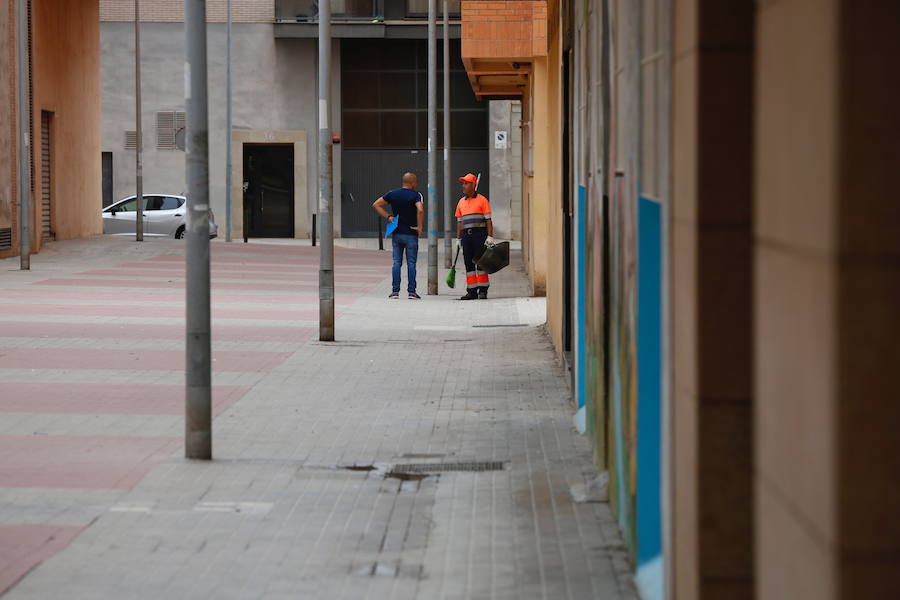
{"x":515,"y":140}
{"x":501,"y":173}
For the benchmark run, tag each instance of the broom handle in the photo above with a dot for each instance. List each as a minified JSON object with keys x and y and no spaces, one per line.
{"x":455,"y":260}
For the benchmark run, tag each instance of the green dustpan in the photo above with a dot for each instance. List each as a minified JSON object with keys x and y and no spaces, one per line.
{"x":451,"y":274}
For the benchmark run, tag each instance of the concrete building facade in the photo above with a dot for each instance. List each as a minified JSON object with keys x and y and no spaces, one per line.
{"x":274,"y":88}
{"x":378,"y":110}
{"x":64,"y":97}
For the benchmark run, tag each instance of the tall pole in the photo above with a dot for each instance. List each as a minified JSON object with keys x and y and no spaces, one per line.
{"x":138,"y":132}
{"x":228,"y":92}
{"x":326,"y":249}
{"x":198,"y":422}
{"x":448,"y":205}
{"x":24,"y":140}
{"x":433,"y":208}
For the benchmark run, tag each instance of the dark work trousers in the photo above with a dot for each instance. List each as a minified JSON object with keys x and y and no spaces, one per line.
{"x":472,"y":243}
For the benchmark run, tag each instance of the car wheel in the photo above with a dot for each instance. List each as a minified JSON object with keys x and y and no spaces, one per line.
{"x":179,"y":233}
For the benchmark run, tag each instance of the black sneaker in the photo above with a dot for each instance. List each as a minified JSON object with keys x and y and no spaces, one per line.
{"x":414,"y":296}
{"x":394,"y":296}
{"x":482,"y":294}
{"x":470,"y":295}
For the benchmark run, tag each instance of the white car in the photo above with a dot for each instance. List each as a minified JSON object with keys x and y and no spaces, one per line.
{"x":164,"y":216}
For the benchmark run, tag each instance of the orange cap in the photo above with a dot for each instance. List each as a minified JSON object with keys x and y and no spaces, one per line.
{"x":469,"y":177}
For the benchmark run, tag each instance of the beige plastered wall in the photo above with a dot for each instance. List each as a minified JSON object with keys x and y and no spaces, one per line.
{"x":685,"y":580}
{"x":538,"y":184}
{"x":66,"y":82}
{"x":828,"y":292}
{"x":298,"y":140}
{"x":796,"y":169}
{"x":548,"y":175}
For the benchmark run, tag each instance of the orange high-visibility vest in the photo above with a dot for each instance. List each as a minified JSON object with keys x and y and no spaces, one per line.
{"x":473,"y":212}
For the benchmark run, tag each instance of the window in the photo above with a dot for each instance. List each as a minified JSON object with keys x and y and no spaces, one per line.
{"x":130,"y":206}
{"x":385,"y":99}
{"x":171,"y":203}
{"x":419,"y":8}
{"x":153,"y":202}
{"x":308,"y":10}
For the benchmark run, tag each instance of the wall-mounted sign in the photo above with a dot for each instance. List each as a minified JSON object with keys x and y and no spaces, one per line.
{"x":500,"y":140}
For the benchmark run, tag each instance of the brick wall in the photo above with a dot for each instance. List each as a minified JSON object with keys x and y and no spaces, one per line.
{"x":504,"y":29}
{"x":172,"y":11}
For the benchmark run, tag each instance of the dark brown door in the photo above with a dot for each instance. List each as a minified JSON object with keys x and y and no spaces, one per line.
{"x":269,"y":199}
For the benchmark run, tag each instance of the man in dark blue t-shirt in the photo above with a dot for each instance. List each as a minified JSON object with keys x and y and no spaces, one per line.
{"x":406,"y":204}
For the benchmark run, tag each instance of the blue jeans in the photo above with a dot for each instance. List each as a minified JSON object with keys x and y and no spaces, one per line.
{"x":409,"y":244}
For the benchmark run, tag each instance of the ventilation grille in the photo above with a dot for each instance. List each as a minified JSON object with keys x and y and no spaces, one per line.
{"x":5,"y":238}
{"x":446,"y":467}
{"x":131,"y":140}
{"x":167,"y":125}
{"x":46,"y":178}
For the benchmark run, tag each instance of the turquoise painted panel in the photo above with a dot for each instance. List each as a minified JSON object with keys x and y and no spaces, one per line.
{"x":581,"y":298}
{"x":649,"y":358}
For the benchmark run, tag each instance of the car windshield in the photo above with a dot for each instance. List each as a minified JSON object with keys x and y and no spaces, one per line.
{"x":130,"y":205}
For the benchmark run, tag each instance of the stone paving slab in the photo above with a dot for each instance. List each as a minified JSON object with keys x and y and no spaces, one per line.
{"x":278,"y":514}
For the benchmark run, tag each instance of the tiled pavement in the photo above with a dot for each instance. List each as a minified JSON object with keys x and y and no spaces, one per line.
{"x":94,"y":491}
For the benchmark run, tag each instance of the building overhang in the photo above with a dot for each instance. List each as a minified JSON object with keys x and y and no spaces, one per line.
{"x":500,"y":41}
{"x":498,"y":78}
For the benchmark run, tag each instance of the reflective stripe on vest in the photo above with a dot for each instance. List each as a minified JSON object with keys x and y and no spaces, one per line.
{"x":473,"y":220}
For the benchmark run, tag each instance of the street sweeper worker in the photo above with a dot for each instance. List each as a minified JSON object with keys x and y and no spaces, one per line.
{"x":474,"y":229}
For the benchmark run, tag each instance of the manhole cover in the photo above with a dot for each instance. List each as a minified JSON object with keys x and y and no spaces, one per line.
{"x":446,"y":467}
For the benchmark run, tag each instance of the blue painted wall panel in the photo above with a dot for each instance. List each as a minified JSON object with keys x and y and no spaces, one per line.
{"x":580,"y":295}
{"x":649,"y":356}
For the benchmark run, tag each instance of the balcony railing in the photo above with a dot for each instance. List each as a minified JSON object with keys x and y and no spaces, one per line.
{"x":287,"y":11}
{"x":419,"y":8}
{"x":307,"y":11}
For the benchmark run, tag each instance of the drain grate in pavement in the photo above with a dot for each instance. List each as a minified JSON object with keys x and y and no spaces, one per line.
{"x":448,"y":467}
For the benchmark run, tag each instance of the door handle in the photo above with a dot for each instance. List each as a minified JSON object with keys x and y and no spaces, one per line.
{"x":262,"y":201}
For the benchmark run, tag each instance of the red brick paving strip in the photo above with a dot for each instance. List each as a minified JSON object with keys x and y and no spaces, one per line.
{"x":174,"y":312}
{"x":100,"y":462}
{"x":272,"y":260}
{"x":162,"y":331}
{"x":124,"y":283}
{"x":23,"y":547}
{"x":133,"y":360}
{"x":262,"y":268}
{"x":310,"y":298}
{"x":80,"y":462}
{"x":306,"y":275}
{"x":106,"y":398}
